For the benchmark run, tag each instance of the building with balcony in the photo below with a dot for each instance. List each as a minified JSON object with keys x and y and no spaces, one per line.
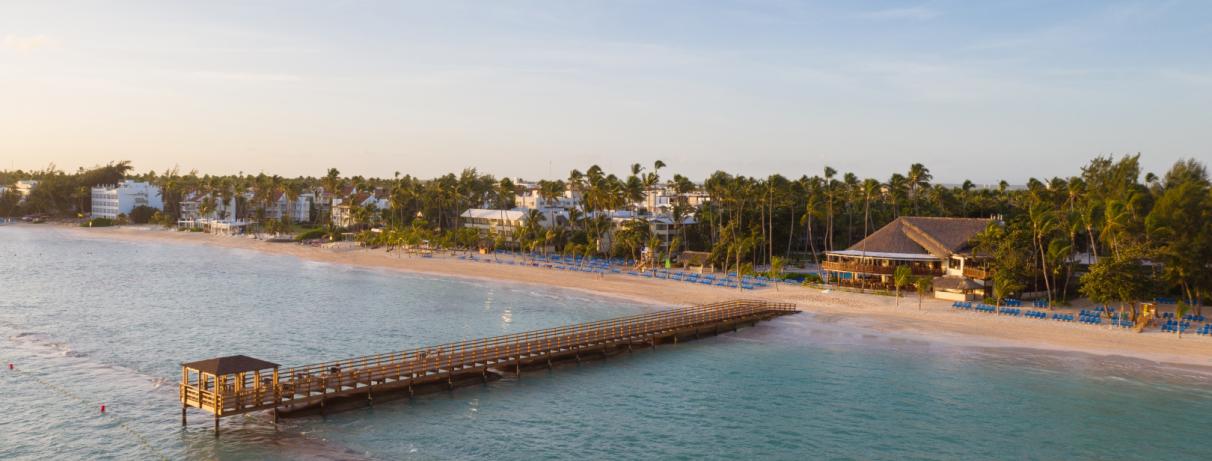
{"x":505,"y":222}
{"x":940,"y":248}
{"x":121,"y":198}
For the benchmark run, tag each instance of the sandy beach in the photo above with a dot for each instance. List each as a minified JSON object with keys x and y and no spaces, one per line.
{"x":935,"y":321}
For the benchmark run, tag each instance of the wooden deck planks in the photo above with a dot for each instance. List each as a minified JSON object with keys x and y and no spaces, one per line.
{"x":312,"y":385}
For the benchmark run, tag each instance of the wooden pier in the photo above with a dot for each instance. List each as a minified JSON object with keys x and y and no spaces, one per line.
{"x":233,"y":385}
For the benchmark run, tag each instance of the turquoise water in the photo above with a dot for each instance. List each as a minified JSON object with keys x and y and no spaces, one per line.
{"x":91,"y":321}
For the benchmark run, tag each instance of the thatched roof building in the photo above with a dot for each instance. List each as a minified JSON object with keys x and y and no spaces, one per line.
{"x":930,"y":247}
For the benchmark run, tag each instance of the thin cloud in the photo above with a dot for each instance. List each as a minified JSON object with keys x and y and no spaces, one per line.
{"x":245,"y":77}
{"x":26,"y":43}
{"x":1187,"y":77}
{"x":915,"y":13}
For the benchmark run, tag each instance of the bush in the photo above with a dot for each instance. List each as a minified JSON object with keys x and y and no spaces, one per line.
{"x":812,"y":278}
{"x":97,"y":222}
{"x":142,"y":214}
{"x":311,"y":234}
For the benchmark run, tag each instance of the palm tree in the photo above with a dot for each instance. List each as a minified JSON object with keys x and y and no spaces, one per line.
{"x":900,"y":279}
{"x":870,"y":188}
{"x":1043,"y":221}
{"x":829,"y":182}
{"x":918,"y":177}
{"x":1180,"y":311}
{"x":896,"y":191}
{"x":332,"y":184}
{"x":812,"y":207}
{"x":776,"y":270}
{"x":922,"y":285}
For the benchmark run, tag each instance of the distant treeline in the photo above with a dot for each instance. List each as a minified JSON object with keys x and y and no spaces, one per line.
{"x":1151,"y":234}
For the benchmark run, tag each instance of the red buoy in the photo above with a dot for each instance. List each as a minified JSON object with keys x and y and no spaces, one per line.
{"x":10,"y":366}
{"x":103,"y":408}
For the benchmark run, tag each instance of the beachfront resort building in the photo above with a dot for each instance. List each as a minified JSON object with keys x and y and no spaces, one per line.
{"x":504,"y":222}
{"x":529,"y":195}
{"x":119,"y":199}
{"x":940,"y":248}
{"x":344,"y":209}
{"x":297,"y":210}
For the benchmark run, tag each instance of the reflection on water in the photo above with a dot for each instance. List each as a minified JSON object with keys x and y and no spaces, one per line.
{"x":110,"y":321}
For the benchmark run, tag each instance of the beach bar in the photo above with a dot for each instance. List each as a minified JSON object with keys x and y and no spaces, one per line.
{"x":227,"y":385}
{"x":939,"y":248}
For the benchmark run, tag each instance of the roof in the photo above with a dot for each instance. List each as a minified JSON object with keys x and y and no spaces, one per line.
{"x":665,"y":219}
{"x":934,"y":237}
{"x":956,"y":283}
{"x":512,"y":215}
{"x":882,"y":255}
{"x":230,"y":364}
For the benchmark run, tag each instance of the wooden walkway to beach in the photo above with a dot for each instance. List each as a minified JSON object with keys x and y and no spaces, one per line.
{"x":234,"y":385}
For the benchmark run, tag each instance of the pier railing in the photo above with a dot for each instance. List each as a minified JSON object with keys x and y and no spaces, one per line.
{"x":455,"y":353}
{"x":311,"y":384}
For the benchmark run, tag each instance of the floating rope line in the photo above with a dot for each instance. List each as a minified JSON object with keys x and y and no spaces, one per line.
{"x":121,"y":421}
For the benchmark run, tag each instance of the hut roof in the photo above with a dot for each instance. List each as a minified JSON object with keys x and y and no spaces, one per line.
{"x":938,"y":237}
{"x":230,"y":364}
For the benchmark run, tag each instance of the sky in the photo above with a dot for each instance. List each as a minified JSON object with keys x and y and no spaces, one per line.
{"x":986,"y":90}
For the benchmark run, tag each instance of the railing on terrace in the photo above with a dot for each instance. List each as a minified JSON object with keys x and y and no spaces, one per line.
{"x":875,"y":269}
{"x":977,"y":273}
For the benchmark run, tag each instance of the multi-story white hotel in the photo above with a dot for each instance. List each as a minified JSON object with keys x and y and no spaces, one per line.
{"x":111,"y":201}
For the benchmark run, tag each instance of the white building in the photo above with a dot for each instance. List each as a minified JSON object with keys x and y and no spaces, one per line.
{"x":299,"y":208}
{"x":219,"y":211}
{"x":343,"y":208}
{"x":120,"y":199}
{"x":503,"y":222}
{"x":529,"y":196}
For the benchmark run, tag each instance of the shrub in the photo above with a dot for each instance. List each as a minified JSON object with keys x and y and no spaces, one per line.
{"x":97,"y":222}
{"x":311,"y":234}
{"x":142,"y":214}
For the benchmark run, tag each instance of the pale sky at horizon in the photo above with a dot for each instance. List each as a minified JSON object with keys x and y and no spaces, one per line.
{"x":974,"y":90}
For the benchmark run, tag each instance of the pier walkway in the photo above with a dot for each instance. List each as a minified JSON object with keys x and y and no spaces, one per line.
{"x":233,"y":385}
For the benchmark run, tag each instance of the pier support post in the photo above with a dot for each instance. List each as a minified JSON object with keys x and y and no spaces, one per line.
{"x":323,"y":397}
{"x":216,"y":425}
{"x":183,"y":423}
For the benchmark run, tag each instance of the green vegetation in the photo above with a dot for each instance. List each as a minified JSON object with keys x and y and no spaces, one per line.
{"x":142,"y":214}
{"x":97,"y":222}
{"x":923,"y":285}
{"x":901,"y":278}
{"x":311,"y":234}
{"x":1155,"y":230}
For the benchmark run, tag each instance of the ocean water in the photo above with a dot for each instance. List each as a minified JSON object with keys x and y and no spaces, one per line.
{"x":90,"y":321}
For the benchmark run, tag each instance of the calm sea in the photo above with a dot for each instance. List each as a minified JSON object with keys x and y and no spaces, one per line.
{"x":92,"y":321}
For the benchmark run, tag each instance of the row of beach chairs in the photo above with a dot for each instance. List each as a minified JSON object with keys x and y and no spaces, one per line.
{"x":608,"y":266}
{"x":746,"y":282}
